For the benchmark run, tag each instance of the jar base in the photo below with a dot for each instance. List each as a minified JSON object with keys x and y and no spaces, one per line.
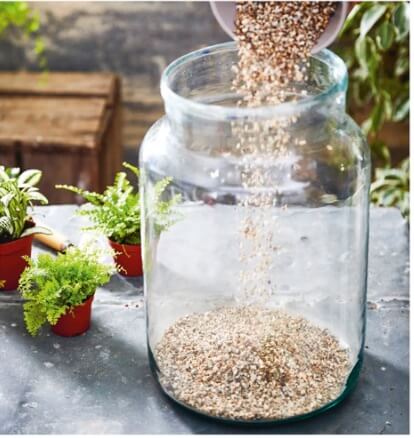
{"x":348,"y":388}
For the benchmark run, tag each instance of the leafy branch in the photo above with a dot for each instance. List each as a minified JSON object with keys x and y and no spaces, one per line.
{"x":374,"y":42}
{"x":378,"y":65}
{"x":19,"y":16}
{"x":392,"y":188}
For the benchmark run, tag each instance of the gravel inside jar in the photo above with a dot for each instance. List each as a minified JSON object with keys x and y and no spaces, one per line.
{"x":251,"y":363}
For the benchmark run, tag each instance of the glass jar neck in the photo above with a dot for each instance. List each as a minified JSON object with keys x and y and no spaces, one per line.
{"x":201,"y":104}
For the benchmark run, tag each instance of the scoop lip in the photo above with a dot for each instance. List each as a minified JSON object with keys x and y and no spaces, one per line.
{"x":225,"y":12}
{"x":214,"y":111}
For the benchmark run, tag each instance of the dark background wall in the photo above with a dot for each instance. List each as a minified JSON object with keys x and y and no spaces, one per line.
{"x":135,"y":40}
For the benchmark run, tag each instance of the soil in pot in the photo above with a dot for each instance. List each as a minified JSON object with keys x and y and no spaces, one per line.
{"x":75,"y":321}
{"x":129,"y":258}
{"x":12,"y":263}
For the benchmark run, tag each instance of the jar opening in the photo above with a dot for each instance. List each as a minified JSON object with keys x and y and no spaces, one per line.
{"x":200,"y":83}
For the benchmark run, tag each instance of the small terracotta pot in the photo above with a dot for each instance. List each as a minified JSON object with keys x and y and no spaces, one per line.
{"x":75,"y":321}
{"x":128,"y":257}
{"x":12,"y":263}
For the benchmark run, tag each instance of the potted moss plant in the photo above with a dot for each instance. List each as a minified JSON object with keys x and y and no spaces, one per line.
{"x":18,"y":193}
{"x":59,"y":290}
{"x":116,"y":213}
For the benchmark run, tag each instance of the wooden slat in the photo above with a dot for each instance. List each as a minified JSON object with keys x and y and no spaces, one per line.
{"x":62,"y":167}
{"x":7,"y":157}
{"x":58,"y":84}
{"x":58,"y":121}
{"x":110,"y":161}
{"x":69,"y":127}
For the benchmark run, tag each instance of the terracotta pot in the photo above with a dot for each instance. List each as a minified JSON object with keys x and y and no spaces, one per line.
{"x":75,"y":321}
{"x":12,"y":263}
{"x":128,"y":257}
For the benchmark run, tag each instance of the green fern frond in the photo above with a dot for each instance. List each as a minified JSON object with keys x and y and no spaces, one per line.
{"x":115,"y":212}
{"x":132,"y":168}
{"x":92,"y":197}
{"x":51,"y":286}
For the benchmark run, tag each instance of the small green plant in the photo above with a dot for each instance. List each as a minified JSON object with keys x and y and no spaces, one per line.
{"x":18,"y":193}
{"x":21,"y":17}
{"x":116,"y":212}
{"x":163,"y":211}
{"x":51,"y":286}
{"x":392,"y":188}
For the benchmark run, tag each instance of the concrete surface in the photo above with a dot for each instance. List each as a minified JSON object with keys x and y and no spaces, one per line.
{"x":101,"y":382}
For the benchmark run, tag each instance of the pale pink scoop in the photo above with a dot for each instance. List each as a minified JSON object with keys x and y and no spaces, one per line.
{"x":226,"y":11}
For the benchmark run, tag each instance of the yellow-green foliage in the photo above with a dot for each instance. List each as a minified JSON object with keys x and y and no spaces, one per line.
{"x":19,"y":16}
{"x":115,"y":212}
{"x":163,"y":211}
{"x":53,"y":285}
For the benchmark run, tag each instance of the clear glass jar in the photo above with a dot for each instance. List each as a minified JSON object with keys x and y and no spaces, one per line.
{"x":255,"y":312}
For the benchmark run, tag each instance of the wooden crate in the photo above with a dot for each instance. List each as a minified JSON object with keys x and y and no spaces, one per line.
{"x":66,"y":124}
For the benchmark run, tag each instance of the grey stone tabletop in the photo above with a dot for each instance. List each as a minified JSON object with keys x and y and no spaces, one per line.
{"x":100,"y":382}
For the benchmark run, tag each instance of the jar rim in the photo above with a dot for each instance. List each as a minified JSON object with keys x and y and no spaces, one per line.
{"x":217,"y":111}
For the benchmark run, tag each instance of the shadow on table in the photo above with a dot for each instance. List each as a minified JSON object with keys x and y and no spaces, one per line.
{"x":102,"y":354}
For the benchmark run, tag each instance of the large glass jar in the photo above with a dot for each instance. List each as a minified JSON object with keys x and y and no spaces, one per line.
{"x":255,"y":293}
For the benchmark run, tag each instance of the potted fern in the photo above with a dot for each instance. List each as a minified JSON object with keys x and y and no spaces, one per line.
{"x":116,"y":214}
{"x":18,"y":193}
{"x":60,"y":290}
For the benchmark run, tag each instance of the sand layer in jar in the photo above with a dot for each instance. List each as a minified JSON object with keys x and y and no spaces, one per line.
{"x":251,"y":363}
